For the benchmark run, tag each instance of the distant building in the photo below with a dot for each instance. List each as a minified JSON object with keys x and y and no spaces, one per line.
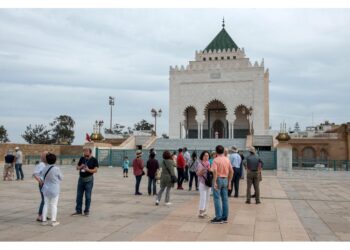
{"x":321,"y":144}
{"x":221,"y":94}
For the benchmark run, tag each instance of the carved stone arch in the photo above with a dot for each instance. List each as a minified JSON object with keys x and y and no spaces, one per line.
{"x":323,"y":155}
{"x":308,"y":156}
{"x":242,"y":123}
{"x":190,"y":125}
{"x":215,"y":112}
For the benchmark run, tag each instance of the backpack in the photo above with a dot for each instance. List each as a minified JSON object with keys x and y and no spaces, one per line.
{"x":209,"y":179}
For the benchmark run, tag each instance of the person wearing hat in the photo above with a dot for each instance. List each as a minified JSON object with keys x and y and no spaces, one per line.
{"x":8,"y":167}
{"x":138,"y":165}
{"x":18,"y":164}
{"x":253,"y":168}
{"x":235,"y":160}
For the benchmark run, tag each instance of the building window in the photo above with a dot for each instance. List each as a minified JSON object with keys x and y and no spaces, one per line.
{"x":234,"y":57}
{"x":204,"y":58}
{"x":209,"y":58}
{"x":216,"y":58}
{"x":222,"y":58}
{"x":228,"y":58}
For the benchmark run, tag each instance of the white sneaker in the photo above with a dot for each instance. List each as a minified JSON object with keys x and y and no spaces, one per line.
{"x":44,"y":223}
{"x":168,"y":203}
{"x":157,"y":202}
{"x":55,"y":223}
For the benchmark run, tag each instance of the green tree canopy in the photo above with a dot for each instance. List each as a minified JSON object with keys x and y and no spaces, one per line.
{"x":37,"y":135}
{"x":63,"y":129}
{"x":143,"y":125}
{"x":3,"y":134}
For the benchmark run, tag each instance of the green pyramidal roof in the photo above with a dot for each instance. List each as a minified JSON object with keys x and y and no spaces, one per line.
{"x":222,"y":41}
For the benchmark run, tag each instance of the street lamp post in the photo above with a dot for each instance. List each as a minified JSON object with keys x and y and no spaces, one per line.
{"x":156,"y":114}
{"x":111,"y":103}
{"x":99,"y":124}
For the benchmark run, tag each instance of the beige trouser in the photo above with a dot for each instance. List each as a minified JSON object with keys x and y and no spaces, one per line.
{"x":8,"y":172}
{"x":253,"y":179}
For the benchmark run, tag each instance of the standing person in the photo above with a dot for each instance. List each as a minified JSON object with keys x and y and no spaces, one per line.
{"x":242,"y":168}
{"x":222,"y":175}
{"x":204,"y":190}
{"x":126,"y":163}
{"x":174,"y":158}
{"x":236,"y":161}
{"x":137,"y":165}
{"x":18,"y":164}
{"x":168,"y":167}
{"x":193,"y":164}
{"x":8,"y":167}
{"x":180,"y":164}
{"x":37,"y":174}
{"x":187,"y":158}
{"x":51,"y":176}
{"x":212,"y":157}
{"x":152,"y":167}
{"x":253,"y":169}
{"x":87,"y":167}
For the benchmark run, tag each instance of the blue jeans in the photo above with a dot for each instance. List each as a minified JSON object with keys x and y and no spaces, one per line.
{"x":41,"y":203}
{"x":152,"y":185}
{"x":19,"y":171}
{"x":87,"y":188}
{"x":137,"y":185}
{"x":220,"y":199}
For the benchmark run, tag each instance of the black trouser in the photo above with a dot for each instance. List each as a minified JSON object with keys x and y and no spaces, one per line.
{"x":186,"y":173}
{"x":152,"y":184}
{"x":180,"y":176}
{"x":193,"y":175}
{"x":235,"y":182}
{"x":138,"y":181}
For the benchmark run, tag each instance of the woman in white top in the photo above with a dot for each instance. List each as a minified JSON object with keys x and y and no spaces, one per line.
{"x":51,"y":176}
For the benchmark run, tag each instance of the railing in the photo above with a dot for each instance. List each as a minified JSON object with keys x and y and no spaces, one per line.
{"x":334,"y":165}
{"x":61,"y":159}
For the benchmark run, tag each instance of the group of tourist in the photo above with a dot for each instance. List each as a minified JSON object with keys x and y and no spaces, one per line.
{"x":13,"y":160}
{"x":49,"y":176}
{"x":219,"y":172}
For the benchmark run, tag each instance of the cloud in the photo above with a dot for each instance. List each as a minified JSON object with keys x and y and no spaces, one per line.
{"x":68,"y":61}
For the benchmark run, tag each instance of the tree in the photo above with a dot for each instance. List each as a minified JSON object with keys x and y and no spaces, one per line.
{"x":165,"y":136}
{"x":37,"y":135}
{"x":116,"y":130}
{"x":143,"y":125}
{"x":296,"y":127}
{"x":3,"y":135}
{"x":62,"y":131}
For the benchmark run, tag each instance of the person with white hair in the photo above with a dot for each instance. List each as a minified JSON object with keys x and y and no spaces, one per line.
{"x":235,"y":160}
{"x":8,"y":167}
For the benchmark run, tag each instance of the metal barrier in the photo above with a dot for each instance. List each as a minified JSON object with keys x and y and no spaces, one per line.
{"x":335,"y":165}
{"x":61,"y":159}
{"x":115,"y":157}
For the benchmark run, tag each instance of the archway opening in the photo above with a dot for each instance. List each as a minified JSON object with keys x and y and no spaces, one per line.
{"x":191,"y":127}
{"x":241,"y":124}
{"x":215,"y":120}
{"x":309,"y":157}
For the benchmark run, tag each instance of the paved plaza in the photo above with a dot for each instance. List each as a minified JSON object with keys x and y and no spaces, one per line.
{"x":302,"y":206}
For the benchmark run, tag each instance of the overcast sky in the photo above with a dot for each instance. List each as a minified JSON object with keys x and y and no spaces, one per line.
{"x":68,"y":61}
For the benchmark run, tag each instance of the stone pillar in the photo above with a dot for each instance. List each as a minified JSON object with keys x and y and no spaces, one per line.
{"x":284,"y":157}
{"x":199,"y":130}
{"x":183,"y":130}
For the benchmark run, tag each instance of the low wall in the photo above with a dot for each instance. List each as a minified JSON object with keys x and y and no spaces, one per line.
{"x":36,"y":149}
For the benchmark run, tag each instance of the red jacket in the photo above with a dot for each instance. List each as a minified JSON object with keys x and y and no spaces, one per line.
{"x":137,"y":165}
{"x":181,"y":163}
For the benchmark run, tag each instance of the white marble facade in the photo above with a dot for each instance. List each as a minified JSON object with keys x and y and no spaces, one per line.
{"x":219,"y":94}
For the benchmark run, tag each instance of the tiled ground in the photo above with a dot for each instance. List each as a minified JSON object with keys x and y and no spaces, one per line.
{"x":302,"y":206}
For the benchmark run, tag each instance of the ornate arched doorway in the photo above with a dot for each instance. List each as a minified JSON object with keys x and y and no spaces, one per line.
{"x":309,"y":157}
{"x":215,"y":120}
{"x":241,"y":124}
{"x":218,"y":129}
{"x":191,"y":127}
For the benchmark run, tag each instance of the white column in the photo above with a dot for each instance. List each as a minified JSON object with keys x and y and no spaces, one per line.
{"x":183,"y":131}
{"x":199,"y":130}
{"x":229,"y":130}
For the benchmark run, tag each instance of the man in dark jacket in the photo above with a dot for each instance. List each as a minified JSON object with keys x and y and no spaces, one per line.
{"x":152,"y":167}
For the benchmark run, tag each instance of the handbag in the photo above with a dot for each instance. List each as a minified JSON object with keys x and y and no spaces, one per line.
{"x":157,"y":175}
{"x":172,"y":177}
